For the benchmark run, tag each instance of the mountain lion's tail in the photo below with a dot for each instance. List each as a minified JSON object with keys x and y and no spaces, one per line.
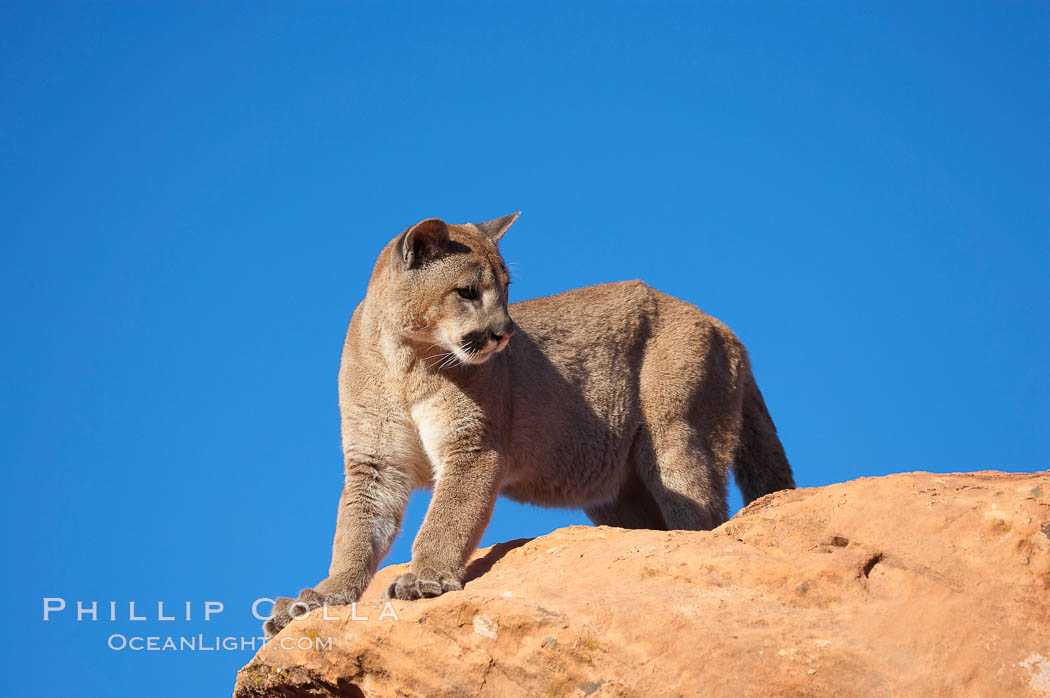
{"x":761,"y":466}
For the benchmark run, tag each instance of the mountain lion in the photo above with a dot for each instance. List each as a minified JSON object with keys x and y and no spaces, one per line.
{"x":617,"y":399}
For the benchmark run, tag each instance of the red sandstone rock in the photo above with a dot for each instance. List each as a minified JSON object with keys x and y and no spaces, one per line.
{"x":907,"y":585}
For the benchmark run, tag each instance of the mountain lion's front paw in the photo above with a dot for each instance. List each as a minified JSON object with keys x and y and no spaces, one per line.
{"x":426,"y":584}
{"x":286,"y":610}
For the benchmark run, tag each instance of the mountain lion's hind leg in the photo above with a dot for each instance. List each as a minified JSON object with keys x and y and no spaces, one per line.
{"x":687,"y":483}
{"x":633,"y":507}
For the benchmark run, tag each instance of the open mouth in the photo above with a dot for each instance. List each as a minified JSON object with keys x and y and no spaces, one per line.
{"x":478,"y":350}
{"x":480,"y":357}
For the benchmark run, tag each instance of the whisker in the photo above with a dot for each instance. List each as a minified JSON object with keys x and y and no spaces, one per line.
{"x":431,"y":361}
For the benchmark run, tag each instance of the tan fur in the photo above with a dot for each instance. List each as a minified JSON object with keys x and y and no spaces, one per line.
{"x":617,"y":399}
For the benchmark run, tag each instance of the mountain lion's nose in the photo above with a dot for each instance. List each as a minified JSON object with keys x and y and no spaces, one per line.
{"x":503,"y":336}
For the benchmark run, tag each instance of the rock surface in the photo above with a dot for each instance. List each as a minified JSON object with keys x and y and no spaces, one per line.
{"x":912,"y":584}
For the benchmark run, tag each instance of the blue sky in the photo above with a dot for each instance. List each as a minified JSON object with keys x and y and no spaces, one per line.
{"x":194,"y":195}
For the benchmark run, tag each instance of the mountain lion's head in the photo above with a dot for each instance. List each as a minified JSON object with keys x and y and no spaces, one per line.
{"x":448,"y":285}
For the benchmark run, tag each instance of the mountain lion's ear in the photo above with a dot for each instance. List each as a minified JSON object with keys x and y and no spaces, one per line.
{"x":497,"y":227}
{"x":423,"y":241}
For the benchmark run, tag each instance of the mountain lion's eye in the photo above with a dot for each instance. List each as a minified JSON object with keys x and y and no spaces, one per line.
{"x":468,"y":293}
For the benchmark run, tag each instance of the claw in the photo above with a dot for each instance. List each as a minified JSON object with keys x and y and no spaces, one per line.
{"x":427,"y":584}
{"x":311,"y":597}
